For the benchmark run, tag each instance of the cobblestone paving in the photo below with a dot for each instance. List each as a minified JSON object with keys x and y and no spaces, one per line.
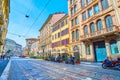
{"x":30,"y":69}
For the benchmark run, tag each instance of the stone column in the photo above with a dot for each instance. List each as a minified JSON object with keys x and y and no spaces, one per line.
{"x":107,"y":45}
{"x":92,"y":51}
{"x":83,"y":50}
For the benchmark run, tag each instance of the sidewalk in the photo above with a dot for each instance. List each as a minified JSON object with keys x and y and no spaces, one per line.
{"x":92,"y":63}
{"x":3,"y":64}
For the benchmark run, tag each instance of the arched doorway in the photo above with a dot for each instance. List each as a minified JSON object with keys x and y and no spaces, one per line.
{"x":76,"y":53}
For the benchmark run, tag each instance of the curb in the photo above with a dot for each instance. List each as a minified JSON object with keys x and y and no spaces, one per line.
{"x":5,"y":74}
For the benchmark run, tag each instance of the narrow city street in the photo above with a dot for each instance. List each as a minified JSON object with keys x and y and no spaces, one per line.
{"x":31,"y":69}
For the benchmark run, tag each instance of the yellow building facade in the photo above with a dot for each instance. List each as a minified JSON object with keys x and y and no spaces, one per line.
{"x":4,"y":18}
{"x":45,"y":33}
{"x":60,"y":36}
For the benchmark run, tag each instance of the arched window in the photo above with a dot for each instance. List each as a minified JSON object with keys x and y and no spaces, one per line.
{"x":99,"y":25}
{"x":104,"y":4}
{"x":92,"y":27}
{"x":73,"y":35}
{"x":77,"y":34}
{"x":108,"y":20}
{"x":86,"y":30}
{"x":114,"y":47}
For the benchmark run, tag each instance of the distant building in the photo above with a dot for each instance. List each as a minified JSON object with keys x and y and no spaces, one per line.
{"x":34,"y":48}
{"x":12,"y":48}
{"x":4,"y":20}
{"x":29,"y":43}
{"x":18,"y":50}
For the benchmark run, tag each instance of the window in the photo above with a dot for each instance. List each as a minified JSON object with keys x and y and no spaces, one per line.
{"x":62,"y":33}
{"x":66,"y":31}
{"x":88,"y":1}
{"x":67,"y":41}
{"x":88,"y":49}
{"x":84,"y":16}
{"x":73,"y":36}
{"x":72,"y":11}
{"x":99,"y":25}
{"x":76,"y":20}
{"x":62,"y":24}
{"x":75,"y":9}
{"x":96,"y":9}
{"x":52,"y":37}
{"x":114,"y":47}
{"x":66,"y":21}
{"x":70,"y":1}
{"x":104,"y":4}
{"x":90,"y":12}
{"x":86,"y":30}
{"x":72,"y":22}
{"x":55,"y":36}
{"x":58,"y":34}
{"x":108,"y":20}
{"x":77,"y":34}
{"x":92,"y":27}
{"x":83,"y":3}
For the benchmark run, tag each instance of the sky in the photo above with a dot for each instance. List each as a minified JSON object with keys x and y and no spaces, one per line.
{"x":20,"y":27}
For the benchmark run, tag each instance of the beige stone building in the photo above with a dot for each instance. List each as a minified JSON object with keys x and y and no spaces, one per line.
{"x":29,"y":43}
{"x":95,"y":28}
{"x":45,"y":32}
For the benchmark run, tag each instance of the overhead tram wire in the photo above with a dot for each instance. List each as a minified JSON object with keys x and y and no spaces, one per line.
{"x":16,"y":34}
{"x":37,"y":17}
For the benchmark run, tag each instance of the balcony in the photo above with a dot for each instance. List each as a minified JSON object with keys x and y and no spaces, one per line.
{"x":104,"y":32}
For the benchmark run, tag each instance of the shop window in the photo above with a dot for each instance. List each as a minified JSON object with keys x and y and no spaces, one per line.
{"x":113,"y":47}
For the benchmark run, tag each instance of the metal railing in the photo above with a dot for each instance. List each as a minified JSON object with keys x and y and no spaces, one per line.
{"x":104,"y":31}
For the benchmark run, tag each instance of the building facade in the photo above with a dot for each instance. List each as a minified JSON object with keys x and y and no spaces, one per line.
{"x":34,"y":48}
{"x":60,"y":37}
{"x":12,"y":48}
{"x":4,"y":19}
{"x":29,"y":43}
{"x":46,"y":31}
{"x":95,"y":28}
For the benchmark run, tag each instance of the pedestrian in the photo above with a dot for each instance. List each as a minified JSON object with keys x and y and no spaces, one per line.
{"x":1,"y":56}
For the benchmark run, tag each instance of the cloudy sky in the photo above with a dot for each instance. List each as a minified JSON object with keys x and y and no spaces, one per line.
{"x":21,"y":27}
